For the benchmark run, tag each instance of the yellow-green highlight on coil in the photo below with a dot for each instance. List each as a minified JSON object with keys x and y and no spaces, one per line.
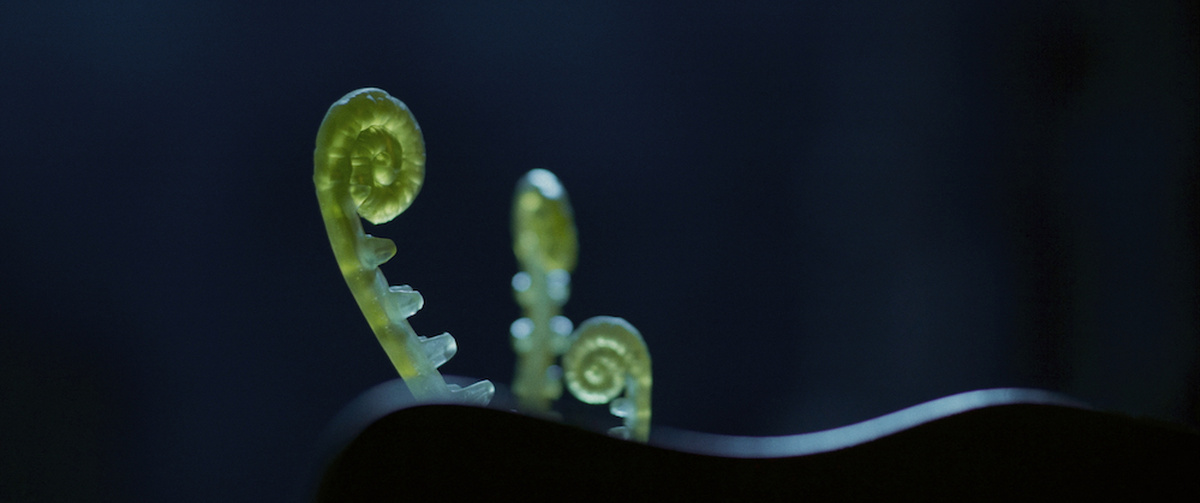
{"x":369,"y":162}
{"x":608,"y":355}
{"x":546,"y":247}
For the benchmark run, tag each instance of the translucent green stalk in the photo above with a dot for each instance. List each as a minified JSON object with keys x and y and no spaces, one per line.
{"x":370,"y":162}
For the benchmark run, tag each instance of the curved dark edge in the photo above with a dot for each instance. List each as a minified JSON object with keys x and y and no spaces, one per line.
{"x":999,"y":449}
{"x":391,"y":396}
{"x":858,"y":433}
{"x":383,"y":399}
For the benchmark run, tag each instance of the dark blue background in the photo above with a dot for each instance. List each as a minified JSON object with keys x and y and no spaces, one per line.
{"x":815,"y":212}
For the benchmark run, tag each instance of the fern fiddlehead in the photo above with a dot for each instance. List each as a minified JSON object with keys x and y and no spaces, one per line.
{"x":369,"y":162}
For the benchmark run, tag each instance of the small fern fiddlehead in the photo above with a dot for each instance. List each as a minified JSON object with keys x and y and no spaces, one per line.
{"x":370,"y":162}
{"x":608,"y":355}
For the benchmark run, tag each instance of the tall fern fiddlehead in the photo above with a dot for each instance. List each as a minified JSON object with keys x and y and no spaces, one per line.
{"x":370,"y":162}
{"x":545,"y":243}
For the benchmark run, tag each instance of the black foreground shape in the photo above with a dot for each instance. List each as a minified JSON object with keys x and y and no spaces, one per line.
{"x":458,"y":453}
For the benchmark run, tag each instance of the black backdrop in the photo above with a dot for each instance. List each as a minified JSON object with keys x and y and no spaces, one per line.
{"x":815,"y":212}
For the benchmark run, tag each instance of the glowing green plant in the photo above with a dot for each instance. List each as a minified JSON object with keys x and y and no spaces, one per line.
{"x":545,"y":243}
{"x":608,"y":355}
{"x":370,"y":162}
